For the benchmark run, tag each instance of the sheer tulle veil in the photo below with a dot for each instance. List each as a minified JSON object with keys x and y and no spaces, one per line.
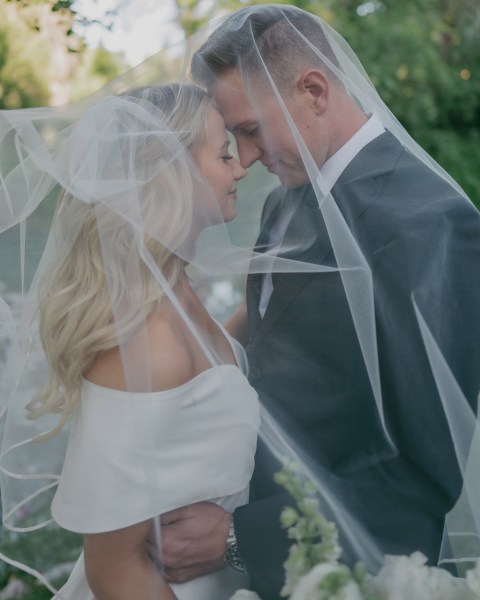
{"x":118,"y":163}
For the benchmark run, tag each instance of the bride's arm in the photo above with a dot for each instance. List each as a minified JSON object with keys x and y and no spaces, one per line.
{"x":118,"y":566}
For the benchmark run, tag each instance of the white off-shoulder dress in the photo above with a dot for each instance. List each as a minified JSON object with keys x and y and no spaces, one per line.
{"x":133,"y":456}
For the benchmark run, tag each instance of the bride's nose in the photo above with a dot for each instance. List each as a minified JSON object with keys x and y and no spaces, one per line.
{"x":239,"y":172}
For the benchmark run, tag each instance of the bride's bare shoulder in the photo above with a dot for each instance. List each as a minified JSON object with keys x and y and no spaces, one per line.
{"x":171,"y":356}
{"x":157,"y":361}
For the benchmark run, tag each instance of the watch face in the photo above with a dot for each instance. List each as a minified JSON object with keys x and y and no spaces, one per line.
{"x":232,"y":553}
{"x":233,"y":558}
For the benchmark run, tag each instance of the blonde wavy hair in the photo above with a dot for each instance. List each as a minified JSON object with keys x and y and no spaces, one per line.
{"x":76,"y":317}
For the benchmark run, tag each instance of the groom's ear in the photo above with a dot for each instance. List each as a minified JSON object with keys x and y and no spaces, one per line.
{"x":314,"y":86}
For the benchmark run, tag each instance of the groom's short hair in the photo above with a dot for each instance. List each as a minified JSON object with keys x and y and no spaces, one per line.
{"x":282,"y":39}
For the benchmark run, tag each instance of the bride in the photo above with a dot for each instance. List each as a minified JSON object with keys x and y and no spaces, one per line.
{"x":162,"y":412}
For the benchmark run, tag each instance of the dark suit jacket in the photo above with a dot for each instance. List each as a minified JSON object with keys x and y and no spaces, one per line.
{"x":307,"y":364}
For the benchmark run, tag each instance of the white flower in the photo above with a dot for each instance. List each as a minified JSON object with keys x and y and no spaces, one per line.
{"x":308,"y":586}
{"x":245,"y":595}
{"x":408,"y":578}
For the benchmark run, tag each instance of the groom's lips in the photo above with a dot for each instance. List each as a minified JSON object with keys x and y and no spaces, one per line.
{"x":272,"y":167}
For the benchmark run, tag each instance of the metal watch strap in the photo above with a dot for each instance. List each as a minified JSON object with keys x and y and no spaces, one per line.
{"x":232,"y":553}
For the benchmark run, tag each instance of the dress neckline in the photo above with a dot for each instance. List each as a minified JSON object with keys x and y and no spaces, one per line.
{"x":115,"y":393}
{"x":234,"y":345}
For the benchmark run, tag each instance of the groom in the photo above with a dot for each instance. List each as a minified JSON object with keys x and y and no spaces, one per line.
{"x":305,"y":358}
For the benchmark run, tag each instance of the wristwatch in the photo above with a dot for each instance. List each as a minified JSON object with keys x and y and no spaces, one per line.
{"x":232,"y":553}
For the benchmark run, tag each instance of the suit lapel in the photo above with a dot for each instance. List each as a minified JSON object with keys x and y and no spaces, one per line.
{"x":302,"y":239}
{"x":254,"y":282}
{"x":306,"y":241}
{"x":307,"y":235}
{"x":358,"y":187}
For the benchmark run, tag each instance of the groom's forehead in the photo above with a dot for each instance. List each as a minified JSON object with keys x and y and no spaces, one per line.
{"x":239,"y":100}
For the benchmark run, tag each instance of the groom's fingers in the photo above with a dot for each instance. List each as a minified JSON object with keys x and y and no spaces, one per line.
{"x":191,"y":511}
{"x":193,"y":541}
{"x":192,"y":572}
{"x":184,"y":573}
{"x":182,"y":546}
{"x":175,"y":515}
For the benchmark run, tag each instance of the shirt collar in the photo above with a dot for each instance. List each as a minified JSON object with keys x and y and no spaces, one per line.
{"x":336,"y":164}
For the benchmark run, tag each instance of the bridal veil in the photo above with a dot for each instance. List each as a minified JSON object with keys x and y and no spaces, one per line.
{"x":116,"y":163}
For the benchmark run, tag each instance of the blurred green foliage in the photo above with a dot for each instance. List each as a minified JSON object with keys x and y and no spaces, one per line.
{"x":423,"y":57}
{"x":43,"y":58}
{"x":42,"y":550}
{"x":22,"y":63}
{"x":96,"y":67}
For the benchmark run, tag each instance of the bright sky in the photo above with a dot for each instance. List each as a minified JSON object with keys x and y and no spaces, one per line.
{"x":141,"y":28}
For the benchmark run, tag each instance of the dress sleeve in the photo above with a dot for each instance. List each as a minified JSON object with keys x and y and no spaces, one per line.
{"x":131,"y":457}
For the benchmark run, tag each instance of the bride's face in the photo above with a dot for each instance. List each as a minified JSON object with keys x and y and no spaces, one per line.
{"x":219,"y":168}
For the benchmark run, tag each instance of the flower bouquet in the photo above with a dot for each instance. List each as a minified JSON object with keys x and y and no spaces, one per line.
{"x":313,"y":570}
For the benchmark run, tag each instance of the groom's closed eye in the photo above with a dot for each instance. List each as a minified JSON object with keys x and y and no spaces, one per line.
{"x":252,"y":131}
{"x":247,"y":127}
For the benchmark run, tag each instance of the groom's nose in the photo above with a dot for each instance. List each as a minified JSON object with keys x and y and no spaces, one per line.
{"x":248,"y":152}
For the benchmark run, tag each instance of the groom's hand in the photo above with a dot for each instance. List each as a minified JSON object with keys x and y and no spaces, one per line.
{"x":194,"y":540}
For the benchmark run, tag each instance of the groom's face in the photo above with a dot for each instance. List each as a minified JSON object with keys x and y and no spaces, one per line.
{"x":259,"y":125}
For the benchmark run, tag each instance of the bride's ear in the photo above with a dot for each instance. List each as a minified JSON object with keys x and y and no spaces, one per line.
{"x":314,"y":86}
